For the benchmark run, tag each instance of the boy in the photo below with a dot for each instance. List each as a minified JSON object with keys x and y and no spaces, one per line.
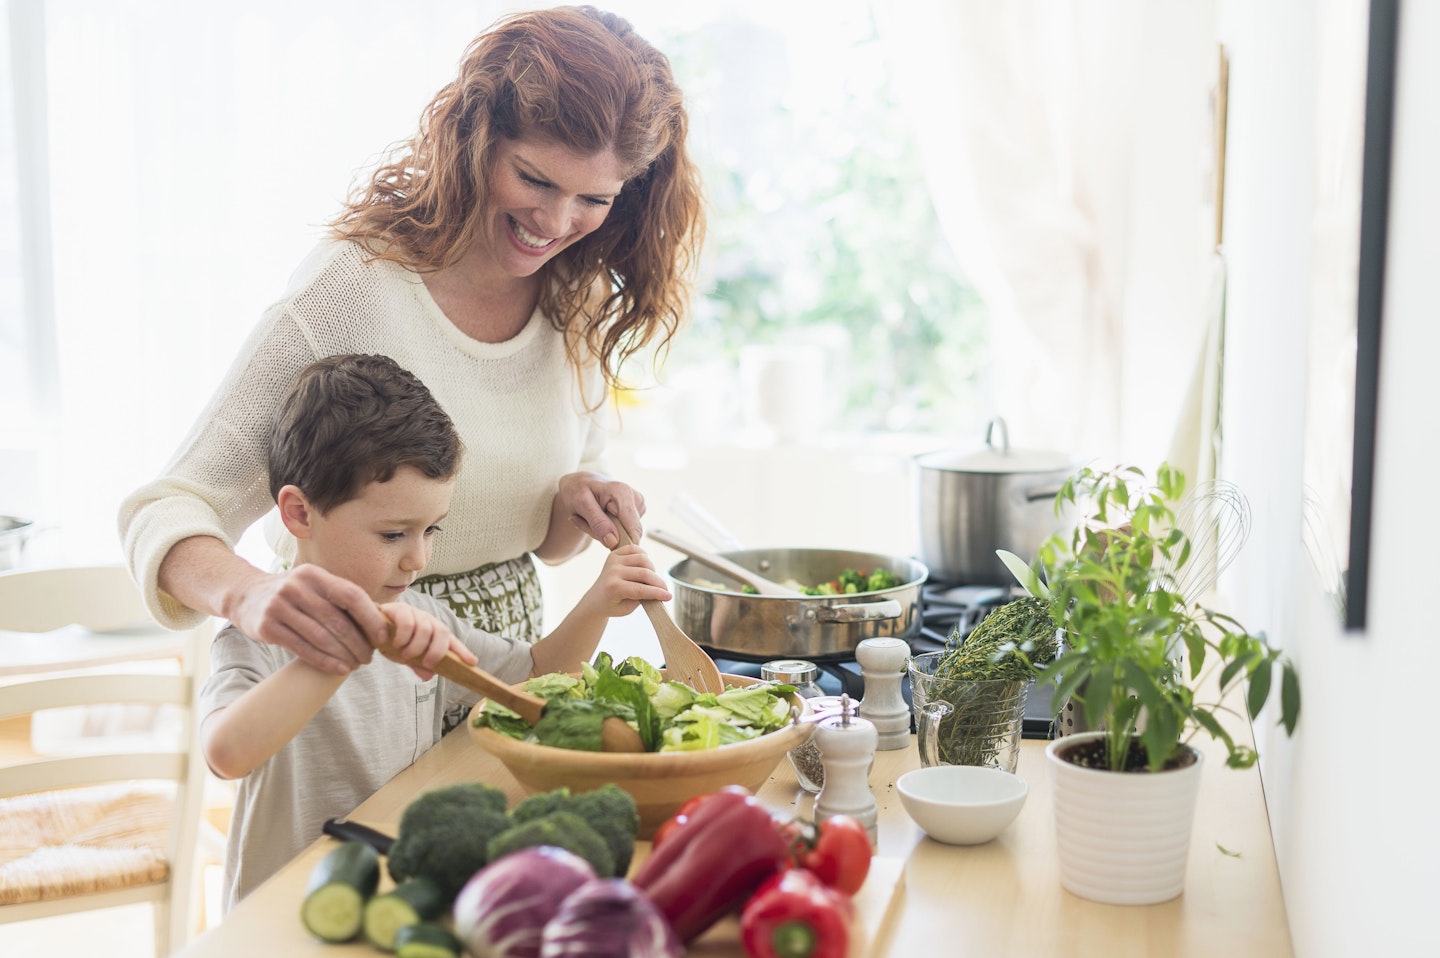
{"x":362,"y":461}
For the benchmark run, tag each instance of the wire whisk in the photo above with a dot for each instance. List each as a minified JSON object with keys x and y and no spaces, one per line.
{"x":1215,"y":517}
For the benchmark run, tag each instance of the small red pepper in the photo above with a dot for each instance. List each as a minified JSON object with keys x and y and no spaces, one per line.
{"x":796,"y":915}
{"x":713,"y":860}
{"x":837,"y":851}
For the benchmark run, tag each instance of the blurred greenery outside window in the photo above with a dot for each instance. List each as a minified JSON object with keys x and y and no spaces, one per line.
{"x":822,"y":239}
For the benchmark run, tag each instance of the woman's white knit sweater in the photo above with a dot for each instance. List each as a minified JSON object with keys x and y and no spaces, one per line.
{"x":516,"y":405}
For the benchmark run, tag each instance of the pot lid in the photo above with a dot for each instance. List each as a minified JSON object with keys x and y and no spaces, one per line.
{"x":997,"y":456}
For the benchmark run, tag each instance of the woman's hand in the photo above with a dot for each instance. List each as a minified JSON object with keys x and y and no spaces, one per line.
{"x":591,"y":504}
{"x":420,"y":640}
{"x":324,"y":619}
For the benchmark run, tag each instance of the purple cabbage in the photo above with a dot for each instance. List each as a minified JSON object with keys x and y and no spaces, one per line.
{"x":502,"y":911}
{"x":609,"y":918}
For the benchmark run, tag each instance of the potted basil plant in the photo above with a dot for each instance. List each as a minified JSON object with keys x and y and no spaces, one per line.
{"x":1134,"y":655}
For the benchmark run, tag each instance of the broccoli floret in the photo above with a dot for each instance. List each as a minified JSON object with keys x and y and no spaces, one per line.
{"x":881,"y":579}
{"x":539,"y":805}
{"x":565,"y":830}
{"x":444,"y":834}
{"x":609,"y":810}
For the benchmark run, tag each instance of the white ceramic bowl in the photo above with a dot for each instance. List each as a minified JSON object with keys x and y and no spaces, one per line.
{"x":962,"y":804}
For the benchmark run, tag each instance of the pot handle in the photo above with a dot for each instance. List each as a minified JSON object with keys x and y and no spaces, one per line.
{"x":1004,"y":435}
{"x":1037,"y":493}
{"x":859,"y":611}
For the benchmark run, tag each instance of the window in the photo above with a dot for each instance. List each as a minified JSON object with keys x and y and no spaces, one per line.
{"x":15,"y":345}
{"x":192,"y":152}
{"x":829,"y":298}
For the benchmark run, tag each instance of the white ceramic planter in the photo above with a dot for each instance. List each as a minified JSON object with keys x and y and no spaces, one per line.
{"x":1123,"y":838}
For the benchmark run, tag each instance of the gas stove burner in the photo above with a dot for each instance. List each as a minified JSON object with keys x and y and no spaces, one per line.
{"x":965,"y":596}
{"x":950,"y":610}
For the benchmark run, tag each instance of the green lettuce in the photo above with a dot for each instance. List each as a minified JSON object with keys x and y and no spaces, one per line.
{"x":668,"y":715}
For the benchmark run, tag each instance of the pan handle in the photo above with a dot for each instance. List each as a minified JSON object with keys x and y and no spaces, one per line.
{"x":859,"y":611}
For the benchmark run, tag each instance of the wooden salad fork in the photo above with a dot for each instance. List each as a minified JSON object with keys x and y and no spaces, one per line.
{"x":684,"y":660}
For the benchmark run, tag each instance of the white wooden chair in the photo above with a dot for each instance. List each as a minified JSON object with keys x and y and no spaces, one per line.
{"x":100,"y":828}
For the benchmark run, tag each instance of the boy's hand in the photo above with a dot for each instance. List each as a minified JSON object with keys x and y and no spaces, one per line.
{"x":420,"y":640}
{"x":627,"y":578}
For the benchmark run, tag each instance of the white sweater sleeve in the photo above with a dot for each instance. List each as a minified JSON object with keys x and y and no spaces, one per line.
{"x":517,"y":406}
{"x":217,"y":484}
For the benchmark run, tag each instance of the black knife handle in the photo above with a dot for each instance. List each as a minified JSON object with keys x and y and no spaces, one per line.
{"x":346,"y":830}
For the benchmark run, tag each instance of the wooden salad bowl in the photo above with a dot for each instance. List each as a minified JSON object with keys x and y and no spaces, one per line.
{"x":658,"y":781}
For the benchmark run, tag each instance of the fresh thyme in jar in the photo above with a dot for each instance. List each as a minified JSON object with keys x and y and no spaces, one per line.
{"x":985,"y":679}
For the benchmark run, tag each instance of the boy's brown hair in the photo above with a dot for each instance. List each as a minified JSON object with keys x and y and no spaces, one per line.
{"x":350,"y":420}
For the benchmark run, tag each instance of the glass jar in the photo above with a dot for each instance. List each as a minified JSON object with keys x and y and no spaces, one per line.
{"x":804,"y":759}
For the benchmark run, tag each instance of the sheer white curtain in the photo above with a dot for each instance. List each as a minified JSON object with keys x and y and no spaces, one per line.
{"x":195,"y":152}
{"x":1068,"y":149}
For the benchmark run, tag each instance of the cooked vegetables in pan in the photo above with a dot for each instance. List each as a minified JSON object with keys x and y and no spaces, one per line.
{"x":849,"y":582}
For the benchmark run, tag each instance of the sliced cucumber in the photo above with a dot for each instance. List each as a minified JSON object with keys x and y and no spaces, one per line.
{"x":426,"y":940}
{"x":340,"y":884}
{"x":408,"y":903}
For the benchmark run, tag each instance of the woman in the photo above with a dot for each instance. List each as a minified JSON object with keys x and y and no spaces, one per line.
{"x":539,"y":228}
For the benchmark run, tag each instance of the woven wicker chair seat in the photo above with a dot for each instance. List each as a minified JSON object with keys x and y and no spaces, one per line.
{"x":83,"y":840}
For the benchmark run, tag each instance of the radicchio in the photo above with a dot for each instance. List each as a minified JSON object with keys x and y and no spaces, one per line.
{"x":609,"y":918}
{"x":502,"y":911}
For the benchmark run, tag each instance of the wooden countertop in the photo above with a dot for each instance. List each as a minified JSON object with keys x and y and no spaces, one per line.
{"x":999,"y":899}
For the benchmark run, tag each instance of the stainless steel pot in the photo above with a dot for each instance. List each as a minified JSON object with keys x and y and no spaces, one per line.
{"x":974,"y":503}
{"x":14,"y":533}
{"x":809,"y":627}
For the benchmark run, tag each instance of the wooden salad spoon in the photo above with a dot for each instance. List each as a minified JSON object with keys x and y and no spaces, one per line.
{"x":684,"y":660}
{"x":616,"y":735}
{"x":723,"y":565}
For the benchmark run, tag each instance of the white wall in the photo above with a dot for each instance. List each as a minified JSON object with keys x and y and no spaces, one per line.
{"x":1357,"y":839}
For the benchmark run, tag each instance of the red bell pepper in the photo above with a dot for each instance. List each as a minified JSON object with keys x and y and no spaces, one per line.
{"x":796,"y":915}
{"x":713,"y":860}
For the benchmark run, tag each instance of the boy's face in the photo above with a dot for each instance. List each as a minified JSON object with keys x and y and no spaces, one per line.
{"x":381,"y":539}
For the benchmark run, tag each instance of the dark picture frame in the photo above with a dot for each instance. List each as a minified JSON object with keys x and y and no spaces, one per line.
{"x":1384,"y":30}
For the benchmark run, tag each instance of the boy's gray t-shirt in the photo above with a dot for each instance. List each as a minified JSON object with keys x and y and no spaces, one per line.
{"x":378,"y":723}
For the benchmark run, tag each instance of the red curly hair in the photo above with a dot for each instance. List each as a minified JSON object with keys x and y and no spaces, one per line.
{"x":583,"y":78}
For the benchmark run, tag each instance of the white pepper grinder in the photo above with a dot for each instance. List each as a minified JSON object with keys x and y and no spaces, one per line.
{"x":882,"y":665}
{"x":847,"y":749}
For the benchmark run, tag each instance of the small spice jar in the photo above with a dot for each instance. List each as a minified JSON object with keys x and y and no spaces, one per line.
{"x":804,"y":759}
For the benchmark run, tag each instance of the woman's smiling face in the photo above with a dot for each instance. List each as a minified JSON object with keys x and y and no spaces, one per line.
{"x":543,"y":198}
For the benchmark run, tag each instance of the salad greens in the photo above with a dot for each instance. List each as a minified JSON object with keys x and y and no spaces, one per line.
{"x":670,"y":716}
